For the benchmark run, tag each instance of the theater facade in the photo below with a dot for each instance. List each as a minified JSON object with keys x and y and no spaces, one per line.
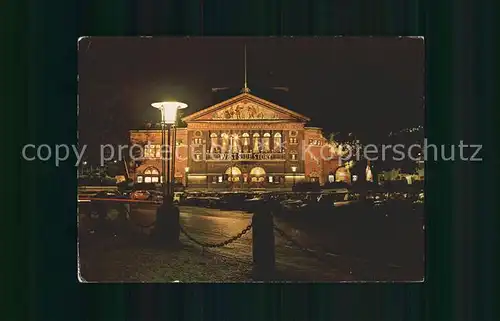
{"x":242,"y":143}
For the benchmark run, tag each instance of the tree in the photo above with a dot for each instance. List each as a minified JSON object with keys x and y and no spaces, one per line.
{"x":179,"y":123}
{"x":114,"y":169}
{"x":405,"y":137}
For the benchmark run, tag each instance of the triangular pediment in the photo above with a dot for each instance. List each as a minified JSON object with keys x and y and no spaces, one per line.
{"x":245,"y":107}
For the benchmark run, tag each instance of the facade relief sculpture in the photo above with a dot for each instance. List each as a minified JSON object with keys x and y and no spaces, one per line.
{"x":242,"y":111}
{"x":249,"y":126}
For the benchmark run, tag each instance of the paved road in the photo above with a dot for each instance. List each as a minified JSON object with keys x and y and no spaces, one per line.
{"x":214,"y":226}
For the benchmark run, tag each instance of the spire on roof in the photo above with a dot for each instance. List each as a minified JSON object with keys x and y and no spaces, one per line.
{"x":245,"y":86}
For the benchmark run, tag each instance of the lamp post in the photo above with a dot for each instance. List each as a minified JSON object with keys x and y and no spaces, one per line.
{"x":173,"y":143}
{"x":186,"y":170}
{"x":168,"y":118}
{"x":167,"y":228}
{"x":294,"y":169}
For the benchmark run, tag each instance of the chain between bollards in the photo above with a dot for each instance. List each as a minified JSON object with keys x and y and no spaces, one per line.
{"x":215,"y":245}
{"x":297,"y":244}
{"x":138,"y":224}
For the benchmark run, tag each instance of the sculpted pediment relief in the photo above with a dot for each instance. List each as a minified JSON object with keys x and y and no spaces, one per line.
{"x":245,"y":110}
{"x":246,"y":107}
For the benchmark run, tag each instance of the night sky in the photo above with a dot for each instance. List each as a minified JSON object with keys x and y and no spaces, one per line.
{"x":368,"y":86}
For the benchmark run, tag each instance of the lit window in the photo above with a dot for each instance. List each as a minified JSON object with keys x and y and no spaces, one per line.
{"x":256,"y":138}
{"x":150,"y":151}
{"x":220,"y":179}
{"x":214,"y":142}
{"x":235,"y":144}
{"x":270,"y":179}
{"x":293,"y":140}
{"x":139,"y":179}
{"x":245,"y":141}
{"x":266,"y":142}
{"x":151,"y":175}
{"x":197,"y":157}
{"x":225,"y":142}
{"x":277,"y":143}
{"x":293,"y":155}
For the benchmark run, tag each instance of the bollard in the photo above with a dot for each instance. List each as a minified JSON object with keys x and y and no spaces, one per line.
{"x":167,"y":226}
{"x":126,"y":212}
{"x":101,"y":209}
{"x":263,"y":244}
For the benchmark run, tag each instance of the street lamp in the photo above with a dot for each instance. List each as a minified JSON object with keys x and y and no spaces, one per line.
{"x":294,"y":169}
{"x":187,"y":172}
{"x":168,"y":118}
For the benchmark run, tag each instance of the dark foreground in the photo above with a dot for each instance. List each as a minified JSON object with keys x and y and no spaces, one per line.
{"x":314,"y":248}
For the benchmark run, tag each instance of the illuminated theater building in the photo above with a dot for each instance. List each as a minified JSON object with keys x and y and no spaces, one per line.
{"x":241,"y":143}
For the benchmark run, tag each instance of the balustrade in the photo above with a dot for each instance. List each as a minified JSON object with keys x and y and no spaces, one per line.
{"x":245,"y":156}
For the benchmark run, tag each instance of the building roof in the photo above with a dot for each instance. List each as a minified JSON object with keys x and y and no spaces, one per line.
{"x":277,"y":112}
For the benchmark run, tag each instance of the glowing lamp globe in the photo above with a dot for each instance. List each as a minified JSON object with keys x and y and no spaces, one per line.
{"x":169,"y":110}
{"x":294,"y":169}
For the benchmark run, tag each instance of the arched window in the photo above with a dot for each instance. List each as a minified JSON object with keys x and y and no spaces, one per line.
{"x":342,"y":174}
{"x":235,"y":143}
{"x":214,"y":143}
{"x":277,"y":147}
{"x":257,"y":174}
{"x":233,"y":171}
{"x":256,"y":138}
{"x":151,"y":175}
{"x":257,"y":171}
{"x":245,"y":141}
{"x":233,"y":174}
{"x":266,"y":143}
{"x":225,"y":142}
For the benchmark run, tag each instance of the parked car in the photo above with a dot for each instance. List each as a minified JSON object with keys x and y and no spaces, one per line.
{"x":178,"y":197}
{"x":253,"y":201}
{"x":156,"y":196}
{"x":306,"y":187}
{"x":102,"y":208}
{"x":141,"y":195}
{"x":232,"y":201}
{"x":109,"y":194}
{"x":292,"y":206}
{"x":347,"y":199}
